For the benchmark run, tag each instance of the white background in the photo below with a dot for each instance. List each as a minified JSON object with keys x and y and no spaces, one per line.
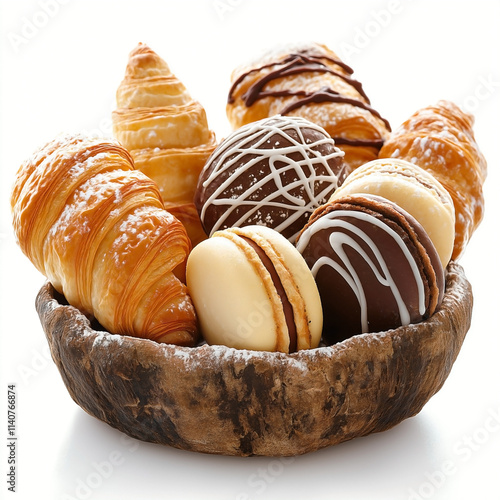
{"x":61,"y":65}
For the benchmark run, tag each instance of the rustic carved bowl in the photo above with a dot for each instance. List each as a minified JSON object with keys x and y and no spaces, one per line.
{"x":215,"y":399}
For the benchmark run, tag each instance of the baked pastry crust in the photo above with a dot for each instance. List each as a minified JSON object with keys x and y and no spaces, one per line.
{"x":309,"y":81}
{"x":98,"y":230}
{"x":215,"y":399}
{"x":440,"y":139}
{"x":161,"y":127}
{"x":166,"y":132}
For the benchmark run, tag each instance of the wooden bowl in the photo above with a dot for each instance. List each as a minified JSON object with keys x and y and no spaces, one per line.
{"x":215,"y":399}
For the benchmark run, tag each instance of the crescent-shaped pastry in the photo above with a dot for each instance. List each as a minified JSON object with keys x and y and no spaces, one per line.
{"x":440,"y":139}
{"x":309,"y":81}
{"x":98,"y":230}
{"x":166,"y":132}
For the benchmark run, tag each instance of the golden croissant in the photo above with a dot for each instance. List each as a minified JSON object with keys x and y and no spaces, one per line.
{"x":98,"y":230}
{"x":310,"y":81}
{"x":166,"y":132}
{"x":440,"y":139}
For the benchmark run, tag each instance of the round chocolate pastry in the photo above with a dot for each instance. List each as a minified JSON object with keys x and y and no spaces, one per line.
{"x":374,"y":265}
{"x":274,"y":172}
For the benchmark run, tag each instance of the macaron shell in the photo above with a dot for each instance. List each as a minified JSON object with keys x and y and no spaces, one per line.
{"x":414,"y":190}
{"x":233,"y":312}
{"x":297,"y":280}
{"x":237,"y":237}
{"x":303,"y":279}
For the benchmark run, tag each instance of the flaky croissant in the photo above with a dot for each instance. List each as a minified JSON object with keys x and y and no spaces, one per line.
{"x":310,"y":81}
{"x":440,"y":139}
{"x":166,"y":132}
{"x":98,"y":230}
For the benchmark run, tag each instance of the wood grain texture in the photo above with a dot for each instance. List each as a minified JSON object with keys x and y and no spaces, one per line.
{"x":220,"y":400}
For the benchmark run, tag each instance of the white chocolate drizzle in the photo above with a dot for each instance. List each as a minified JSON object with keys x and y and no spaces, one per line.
{"x":337,"y":241}
{"x":258,"y":134}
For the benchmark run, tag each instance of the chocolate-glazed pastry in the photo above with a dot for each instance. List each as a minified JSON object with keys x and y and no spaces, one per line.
{"x":311,"y":81}
{"x":274,"y":173}
{"x":374,"y":265}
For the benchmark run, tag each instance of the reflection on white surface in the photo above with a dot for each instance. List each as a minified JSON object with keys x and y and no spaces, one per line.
{"x":407,"y":54}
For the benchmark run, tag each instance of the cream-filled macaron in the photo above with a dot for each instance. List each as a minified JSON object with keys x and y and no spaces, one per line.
{"x":413,"y":189}
{"x":252,"y":289}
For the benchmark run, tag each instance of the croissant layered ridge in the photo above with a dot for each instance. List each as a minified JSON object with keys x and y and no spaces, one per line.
{"x":166,"y":132}
{"x":148,"y":82}
{"x":184,"y":125}
{"x":98,"y":230}
{"x":440,"y":139}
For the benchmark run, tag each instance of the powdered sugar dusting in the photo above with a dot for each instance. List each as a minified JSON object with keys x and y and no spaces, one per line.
{"x":100,"y":187}
{"x":105,"y":339}
{"x":133,"y":230}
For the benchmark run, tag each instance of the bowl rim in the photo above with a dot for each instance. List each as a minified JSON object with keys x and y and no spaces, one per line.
{"x":401,"y":369}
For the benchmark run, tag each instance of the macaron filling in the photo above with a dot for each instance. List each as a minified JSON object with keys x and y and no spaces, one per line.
{"x":287,"y":306}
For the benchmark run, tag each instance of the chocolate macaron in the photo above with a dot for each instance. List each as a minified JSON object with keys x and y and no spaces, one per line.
{"x":274,"y":172}
{"x":374,"y":265}
{"x":252,"y":289}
